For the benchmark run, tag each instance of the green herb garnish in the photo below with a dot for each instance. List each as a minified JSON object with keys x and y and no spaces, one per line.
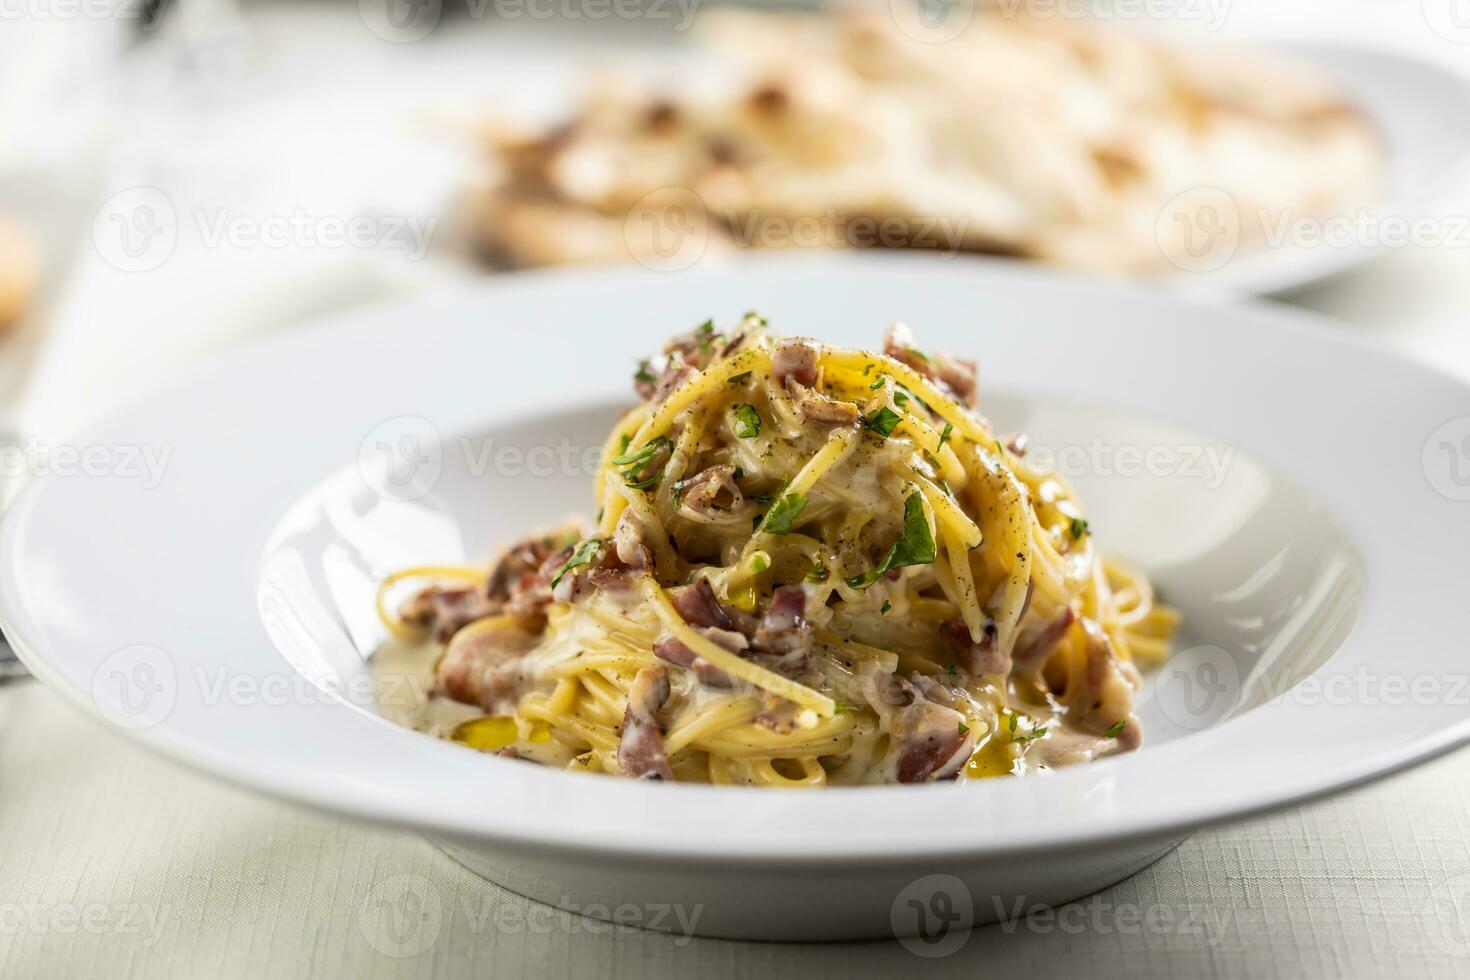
{"x":818,"y":573}
{"x":644,"y":373}
{"x":944,"y":436}
{"x":964,"y":729}
{"x":883,"y":609}
{"x":704,"y":336}
{"x":883,"y":421}
{"x":747,"y":421}
{"x":1035,"y":733}
{"x":638,"y":461}
{"x":914,"y":547}
{"x":877,"y":384}
{"x":643,"y":455}
{"x":1117,"y":729}
{"x":1078,"y":528}
{"x":741,"y":378}
{"x":780,"y":517}
{"x":587,"y":553}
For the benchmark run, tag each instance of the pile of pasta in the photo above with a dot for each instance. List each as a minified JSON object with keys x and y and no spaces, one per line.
{"x":811,"y":565}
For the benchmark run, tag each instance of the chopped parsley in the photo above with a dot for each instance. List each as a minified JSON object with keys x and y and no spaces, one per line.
{"x":586,"y":554}
{"x":883,"y":421}
{"x":883,"y":609}
{"x":1078,"y":528}
{"x":643,"y":455}
{"x":704,"y":336}
{"x":678,"y":494}
{"x":914,"y":547}
{"x":779,"y":519}
{"x":944,"y":436}
{"x":638,"y":462}
{"x":1030,"y":736}
{"x":759,"y":563}
{"x":747,"y":421}
{"x":900,"y":396}
{"x":818,"y":573}
{"x":645,"y":373}
{"x":741,"y":378}
{"x":877,"y":384}
{"x":1117,"y":729}
{"x":953,"y":671}
{"x":1012,"y":725}
{"x":964,"y":729}
{"x":839,"y":707}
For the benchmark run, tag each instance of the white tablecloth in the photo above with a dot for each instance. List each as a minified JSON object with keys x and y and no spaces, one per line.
{"x":115,"y":864}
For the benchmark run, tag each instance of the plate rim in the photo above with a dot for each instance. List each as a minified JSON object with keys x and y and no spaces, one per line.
{"x":182,"y":749}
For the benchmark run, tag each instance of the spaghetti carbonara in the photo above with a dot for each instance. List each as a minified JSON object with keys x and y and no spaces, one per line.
{"x":811,"y":566}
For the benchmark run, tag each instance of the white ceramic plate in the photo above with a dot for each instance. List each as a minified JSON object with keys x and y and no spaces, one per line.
{"x":1300,"y":496}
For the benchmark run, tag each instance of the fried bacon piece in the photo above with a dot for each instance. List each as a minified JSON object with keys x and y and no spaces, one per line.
{"x":445,"y":609}
{"x":711,"y":496}
{"x":681,"y":357}
{"x":670,"y":649}
{"x":641,"y":746}
{"x":959,"y":377}
{"x":795,"y":359}
{"x":794,"y":366}
{"x":700,"y":608}
{"x":784,"y":632}
{"x":1106,"y":698}
{"x":630,"y":540}
{"x":484,"y":666}
{"x":977,"y":659}
{"x":1036,"y":643}
{"x":519,"y":584}
{"x":928,"y":734}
